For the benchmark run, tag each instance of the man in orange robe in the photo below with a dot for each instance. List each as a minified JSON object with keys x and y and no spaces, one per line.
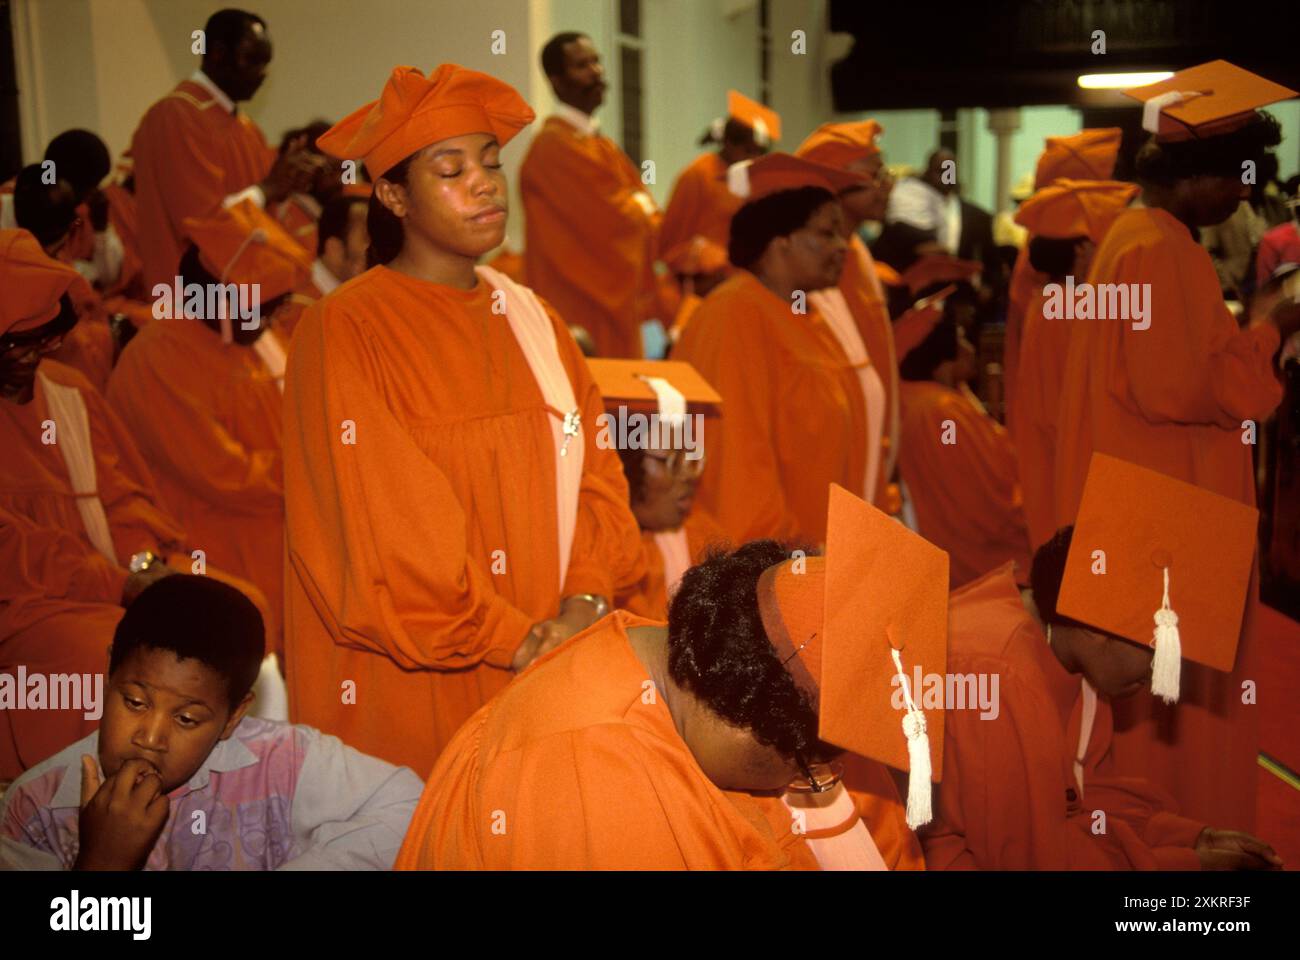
{"x":615,"y":752}
{"x":194,"y":151}
{"x":204,"y":404}
{"x":1174,"y":384}
{"x":852,"y":147}
{"x":341,"y":241}
{"x":1067,"y":221}
{"x":426,"y":481}
{"x":958,"y":462}
{"x":1089,"y":154}
{"x":590,"y":224}
{"x":78,"y":505}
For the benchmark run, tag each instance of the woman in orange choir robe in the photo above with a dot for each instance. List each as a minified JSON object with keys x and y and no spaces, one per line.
{"x":796,"y":416}
{"x":617,"y":751}
{"x":65,"y":555}
{"x":1067,"y":221}
{"x":852,"y":147}
{"x":443,"y":526}
{"x":958,"y":462}
{"x":1179,"y":388}
{"x":1087,"y":155}
{"x":202,"y":400}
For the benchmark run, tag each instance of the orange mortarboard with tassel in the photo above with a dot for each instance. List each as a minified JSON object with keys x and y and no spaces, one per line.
{"x":852,"y":627}
{"x":1076,"y":208}
{"x":764,"y":121}
{"x":1146,"y":548}
{"x":1207,"y":100}
{"x":1087,"y":155}
{"x":414,"y":111}
{"x":753,"y":179}
{"x":665,"y":387}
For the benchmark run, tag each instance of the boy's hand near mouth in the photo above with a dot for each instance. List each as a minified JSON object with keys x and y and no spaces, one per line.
{"x":121,"y":816}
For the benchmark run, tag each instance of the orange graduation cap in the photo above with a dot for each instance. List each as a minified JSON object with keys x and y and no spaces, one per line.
{"x":665,"y":387}
{"x":242,"y":244}
{"x":1087,"y":155}
{"x":752,"y":179}
{"x":839,"y":144}
{"x":1146,"y":545}
{"x":696,"y":255}
{"x":414,"y":111}
{"x":1076,"y":208}
{"x":932,"y":268}
{"x":853,"y":627}
{"x":1207,"y":100}
{"x":32,"y":282}
{"x":764,"y":121}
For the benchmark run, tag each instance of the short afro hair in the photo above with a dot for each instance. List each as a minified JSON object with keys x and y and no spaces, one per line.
{"x":1045,"y":576}
{"x":227,"y":27}
{"x":718,"y":650}
{"x":1222,"y":156}
{"x":553,"y":57}
{"x":81,"y":158}
{"x":1054,"y":256}
{"x":45,"y":210}
{"x":779,"y":214}
{"x":939,"y":347}
{"x":196,"y":618}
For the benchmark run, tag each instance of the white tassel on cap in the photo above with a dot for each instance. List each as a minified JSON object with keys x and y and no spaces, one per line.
{"x":762,"y":136}
{"x":738,"y":179}
{"x":1151,"y":109}
{"x":1168,"y":662}
{"x":919,"y":810}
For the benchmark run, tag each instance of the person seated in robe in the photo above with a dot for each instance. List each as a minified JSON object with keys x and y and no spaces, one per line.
{"x":957,"y":462}
{"x":857,"y":309}
{"x":341,"y":242}
{"x":82,"y":529}
{"x":1035,"y":785}
{"x":589,"y":223}
{"x":195,"y":151}
{"x":1176,"y":384}
{"x":717,"y":740}
{"x":796,"y":415}
{"x":700,"y":204}
{"x":449,"y":512}
{"x":200,"y":390}
{"x":1067,"y":221}
{"x":82,"y":158}
{"x":698,"y":268}
{"x":658,"y":414}
{"x":300,"y":212}
{"x":177,"y":746}
{"x":1090,"y":154}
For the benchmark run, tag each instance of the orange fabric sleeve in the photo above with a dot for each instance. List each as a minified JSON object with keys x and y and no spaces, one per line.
{"x":378,"y":537}
{"x":683,"y":211}
{"x":38,"y":561}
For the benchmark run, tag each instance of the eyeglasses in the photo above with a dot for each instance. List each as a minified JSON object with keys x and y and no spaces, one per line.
{"x":678,"y":464}
{"x":17,"y":351}
{"x":816,"y":777}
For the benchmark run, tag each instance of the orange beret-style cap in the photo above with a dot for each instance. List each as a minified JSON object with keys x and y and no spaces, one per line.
{"x":764,"y":121}
{"x":32,"y":282}
{"x":1205,"y":101}
{"x":1076,"y":208}
{"x":837,"y":622}
{"x":752,"y":179}
{"x":414,"y":111}
{"x":242,"y":244}
{"x":839,"y":144}
{"x":1135,"y":525}
{"x":1087,"y":155}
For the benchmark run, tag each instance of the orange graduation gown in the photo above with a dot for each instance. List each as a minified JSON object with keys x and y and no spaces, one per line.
{"x":575,"y":768}
{"x":795,"y":417}
{"x":189,"y":154}
{"x":1010,"y":797}
{"x":1025,"y":282}
{"x":960,"y":470}
{"x":1173,"y":397}
{"x":866,"y":299}
{"x":207,"y":416}
{"x":59,"y":595}
{"x":649,"y":596}
{"x":1038,"y":397}
{"x":700,"y":205}
{"x":421,"y":508}
{"x":590,"y":243}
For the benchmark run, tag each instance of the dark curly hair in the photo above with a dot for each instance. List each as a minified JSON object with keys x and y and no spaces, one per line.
{"x":761,"y":221}
{"x":718,"y":650}
{"x":1046,"y":573}
{"x":1054,"y":256}
{"x":1221,"y":156}
{"x":938,"y":347}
